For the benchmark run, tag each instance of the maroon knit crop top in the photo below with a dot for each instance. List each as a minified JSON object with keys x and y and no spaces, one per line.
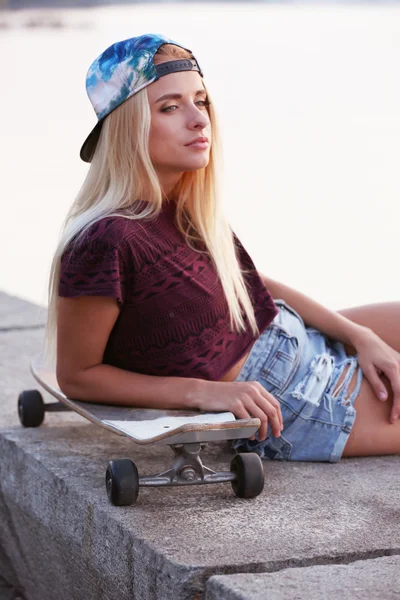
{"x":174,"y":317}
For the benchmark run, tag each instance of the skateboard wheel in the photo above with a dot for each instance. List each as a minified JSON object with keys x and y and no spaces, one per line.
{"x":31,"y":408}
{"x":249,"y":481}
{"x":122,"y":482}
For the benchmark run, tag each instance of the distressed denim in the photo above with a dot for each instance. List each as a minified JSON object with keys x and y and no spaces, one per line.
{"x":300,"y":367}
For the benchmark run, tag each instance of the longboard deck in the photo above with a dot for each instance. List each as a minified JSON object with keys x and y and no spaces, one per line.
{"x":149,"y":426}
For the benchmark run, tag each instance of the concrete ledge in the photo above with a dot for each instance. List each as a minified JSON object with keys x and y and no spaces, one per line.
{"x":59,"y":536}
{"x":372,"y":579}
{"x":7,"y":592}
{"x":16,"y":313}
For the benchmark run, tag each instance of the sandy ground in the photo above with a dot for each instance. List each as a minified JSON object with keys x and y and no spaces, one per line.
{"x":309,"y":100}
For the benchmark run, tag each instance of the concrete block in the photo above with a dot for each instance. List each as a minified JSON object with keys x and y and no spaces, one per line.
{"x":361,"y":580}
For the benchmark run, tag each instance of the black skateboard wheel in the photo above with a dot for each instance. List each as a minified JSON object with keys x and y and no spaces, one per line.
{"x":31,"y":408}
{"x":249,"y":471}
{"x":122,"y":482}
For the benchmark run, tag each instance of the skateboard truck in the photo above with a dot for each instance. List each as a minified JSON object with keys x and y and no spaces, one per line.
{"x":187,"y":469}
{"x":123,"y":481}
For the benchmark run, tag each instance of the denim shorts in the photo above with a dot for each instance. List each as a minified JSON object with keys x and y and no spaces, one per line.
{"x":300,"y":367}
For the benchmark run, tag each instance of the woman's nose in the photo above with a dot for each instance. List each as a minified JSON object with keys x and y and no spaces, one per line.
{"x":199,"y":119}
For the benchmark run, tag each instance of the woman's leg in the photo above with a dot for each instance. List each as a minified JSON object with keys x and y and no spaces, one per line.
{"x":372,"y":433}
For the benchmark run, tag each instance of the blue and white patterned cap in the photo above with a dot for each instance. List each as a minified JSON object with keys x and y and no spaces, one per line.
{"x":121,"y":71}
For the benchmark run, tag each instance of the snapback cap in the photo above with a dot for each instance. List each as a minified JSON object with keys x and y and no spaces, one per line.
{"x":121,"y":71}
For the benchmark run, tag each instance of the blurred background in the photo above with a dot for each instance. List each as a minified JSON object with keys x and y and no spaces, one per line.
{"x":308,"y":95}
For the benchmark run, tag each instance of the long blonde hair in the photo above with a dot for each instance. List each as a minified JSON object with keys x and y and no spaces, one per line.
{"x":121,"y":174}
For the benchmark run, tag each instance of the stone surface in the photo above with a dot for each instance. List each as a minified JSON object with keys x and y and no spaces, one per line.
{"x":58,"y":528}
{"x":16,"y":313}
{"x":14,"y":369}
{"x":7,"y":592}
{"x":368,"y":579}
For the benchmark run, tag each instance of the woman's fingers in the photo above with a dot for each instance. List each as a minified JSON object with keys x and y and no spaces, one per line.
{"x":265,"y":400}
{"x":273,"y":417}
{"x":260,"y":414}
{"x":393,"y":375}
{"x":240,"y":411}
{"x":274,"y":403}
{"x":262,"y":405}
{"x":244,"y":400}
{"x":246,"y":408}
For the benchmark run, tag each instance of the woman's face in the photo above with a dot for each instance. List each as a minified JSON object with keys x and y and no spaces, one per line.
{"x":179,"y":116}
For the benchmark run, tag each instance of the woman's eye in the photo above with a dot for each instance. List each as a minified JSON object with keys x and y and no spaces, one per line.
{"x":167,"y":108}
{"x":172,"y":107}
{"x":204,"y":103}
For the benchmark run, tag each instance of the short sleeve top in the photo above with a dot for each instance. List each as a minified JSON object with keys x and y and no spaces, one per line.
{"x":174,"y":318}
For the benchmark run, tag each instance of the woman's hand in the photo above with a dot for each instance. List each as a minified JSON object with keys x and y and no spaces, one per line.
{"x":244,"y":399}
{"x":376,"y":357}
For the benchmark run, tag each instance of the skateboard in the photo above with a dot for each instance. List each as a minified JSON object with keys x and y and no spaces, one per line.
{"x":186,"y":432}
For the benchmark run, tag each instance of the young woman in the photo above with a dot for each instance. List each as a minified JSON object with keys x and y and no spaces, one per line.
{"x":157,"y":303}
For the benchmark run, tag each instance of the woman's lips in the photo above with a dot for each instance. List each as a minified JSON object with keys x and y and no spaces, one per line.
{"x":199,"y":145}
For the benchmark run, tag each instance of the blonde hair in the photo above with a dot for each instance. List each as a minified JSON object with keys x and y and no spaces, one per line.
{"x":121,"y":174}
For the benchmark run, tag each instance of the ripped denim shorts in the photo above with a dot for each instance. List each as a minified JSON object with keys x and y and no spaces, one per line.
{"x":300,"y":367}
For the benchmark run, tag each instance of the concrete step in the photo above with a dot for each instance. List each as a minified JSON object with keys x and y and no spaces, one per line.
{"x":16,"y":313}
{"x":375,"y":579}
{"x":7,"y":592}
{"x":60,"y":537}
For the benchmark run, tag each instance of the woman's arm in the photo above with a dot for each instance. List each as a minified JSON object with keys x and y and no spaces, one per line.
{"x":84,"y":325}
{"x":331,"y":323}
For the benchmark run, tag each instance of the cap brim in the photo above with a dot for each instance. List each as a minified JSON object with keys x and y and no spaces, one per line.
{"x":89,"y":145}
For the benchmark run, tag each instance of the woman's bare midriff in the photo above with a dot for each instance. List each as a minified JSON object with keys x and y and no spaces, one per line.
{"x":235,"y":370}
